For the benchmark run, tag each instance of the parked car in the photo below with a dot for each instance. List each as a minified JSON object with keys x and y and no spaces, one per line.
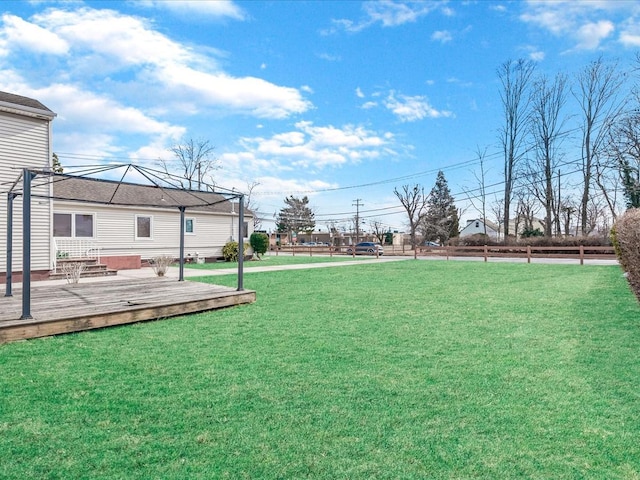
{"x":369,"y":248}
{"x":431,"y":244}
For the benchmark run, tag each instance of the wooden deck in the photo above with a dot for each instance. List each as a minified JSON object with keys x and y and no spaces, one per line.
{"x":60,"y":309}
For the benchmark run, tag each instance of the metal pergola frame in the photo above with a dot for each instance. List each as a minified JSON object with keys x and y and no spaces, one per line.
{"x":156,"y":178}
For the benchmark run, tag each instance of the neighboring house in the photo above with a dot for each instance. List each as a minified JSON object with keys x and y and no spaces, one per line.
{"x":25,"y":142}
{"x":477,"y":226}
{"x":125,"y":222}
{"x":520,"y":222}
{"x":129,"y":222}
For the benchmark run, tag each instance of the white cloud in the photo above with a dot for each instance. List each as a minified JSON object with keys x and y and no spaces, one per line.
{"x":329,"y":58}
{"x":389,"y":13}
{"x":359,"y":93}
{"x":536,"y":55}
{"x":16,"y":32}
{"x":411,"y":109}
{"x":101,"y":43}
{"x":442,"y":36}
{"x":588,"y":23}
{"x":89,"y":122}
{"x":311,"y":147}
{"x":630,"y":34}
{"x":209,"y":8}
{"x":590,"y":35}
{"x":369,"y":105}
{"x":247,"y":94}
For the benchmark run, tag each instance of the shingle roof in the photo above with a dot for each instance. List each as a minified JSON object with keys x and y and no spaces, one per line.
{"x":22,"y":101}
{"x":108,"y":192}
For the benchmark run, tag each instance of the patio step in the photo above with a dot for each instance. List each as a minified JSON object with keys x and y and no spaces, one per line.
{"x":91,"y":268}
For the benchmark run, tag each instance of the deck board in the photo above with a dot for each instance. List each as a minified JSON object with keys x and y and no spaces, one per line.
{"x":71,"y":308}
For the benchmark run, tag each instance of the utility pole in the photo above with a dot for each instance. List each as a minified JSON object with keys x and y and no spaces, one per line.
{"x":357,"y":204}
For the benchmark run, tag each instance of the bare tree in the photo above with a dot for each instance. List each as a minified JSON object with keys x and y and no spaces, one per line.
{"x":548,"y":99}
{"x":515,"y":78}
{"x":568,"y":209}
{"x":479,"y":200}
{"x":193,"y":163}
{"x":623,"y":150}
{"x":414,"y":202}
{"x":526,"y":210}
{"x":252,"y":205}
{"x":378,"y":230}
{"x":596,"y":92}
{"x":498,"y":215}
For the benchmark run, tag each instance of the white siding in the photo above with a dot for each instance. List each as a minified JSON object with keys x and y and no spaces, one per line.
{"x":115,"y":232}
{"x":477,"y":227}
{"x":25,"y":143}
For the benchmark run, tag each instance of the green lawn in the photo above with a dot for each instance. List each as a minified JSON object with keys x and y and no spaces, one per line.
{"x":411,"y":369}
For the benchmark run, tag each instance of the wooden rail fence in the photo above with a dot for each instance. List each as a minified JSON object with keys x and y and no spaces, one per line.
{"x":580,"y":252}
{"x":525,"y":251}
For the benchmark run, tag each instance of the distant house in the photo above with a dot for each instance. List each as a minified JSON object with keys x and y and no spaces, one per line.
{"x":520,"y":224}
{"x":477,"y":226}
{"x":25,"y":142}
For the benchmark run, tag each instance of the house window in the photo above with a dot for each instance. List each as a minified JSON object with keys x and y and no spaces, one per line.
{"x":62,"y":225}
{"x":245,"y":229}
{"x":189,"y":224}
{"x":84,"y":225}
{"x":477,"y":224}
{"x":79,"y":225}
{"x":143,"y":226}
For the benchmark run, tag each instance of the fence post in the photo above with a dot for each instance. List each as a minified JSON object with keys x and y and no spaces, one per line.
{"x":447,"y":251}
{"x":581,"y":255}
{"x":528,"y":253}
{"x":485,"y":253}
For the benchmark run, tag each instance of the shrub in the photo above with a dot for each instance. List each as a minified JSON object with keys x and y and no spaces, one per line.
{"x":230,"y":251}
{"x":532,"y":232}
{"x":73,"y":271}
{"x":259,"y":242}
{"x":626,"y":238}
{"x":160,"y":264}
{"x":475,"y":240}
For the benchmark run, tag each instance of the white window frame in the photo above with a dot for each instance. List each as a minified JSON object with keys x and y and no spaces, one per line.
{"x":135,"y":227}
{"x":73,"y":223}
{"x":193,"y":225}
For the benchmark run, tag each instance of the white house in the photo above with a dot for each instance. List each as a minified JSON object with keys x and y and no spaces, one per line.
{"x":25,"y":142}
{"x":477,"y":226}
{"x":125,"y":222}
{"x":128,"y":222}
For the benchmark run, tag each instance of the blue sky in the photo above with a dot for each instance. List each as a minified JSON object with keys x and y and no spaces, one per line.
{"x":337,"y":100}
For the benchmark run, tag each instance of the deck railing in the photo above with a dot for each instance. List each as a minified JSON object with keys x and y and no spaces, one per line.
{"x":73,"y":249}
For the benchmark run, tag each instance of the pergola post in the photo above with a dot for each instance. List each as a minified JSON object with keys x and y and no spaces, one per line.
{"x":181,"y":275}
{"x":241,"y":243}
{"x":27,"y":176}
{"x":9,"y":277}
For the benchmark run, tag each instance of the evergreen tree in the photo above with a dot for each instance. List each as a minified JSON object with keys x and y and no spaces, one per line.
{"x":296,"y":216}
{"x":56,"y":167}
{"x":441,"y":222}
